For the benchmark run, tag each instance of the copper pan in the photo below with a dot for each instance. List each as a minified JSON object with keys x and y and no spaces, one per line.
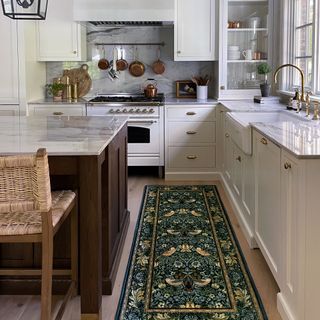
{"x":136,"y":68}
{"x":158,"y":66}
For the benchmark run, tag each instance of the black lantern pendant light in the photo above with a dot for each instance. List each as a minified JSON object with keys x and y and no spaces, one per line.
{"x":25,"y":9}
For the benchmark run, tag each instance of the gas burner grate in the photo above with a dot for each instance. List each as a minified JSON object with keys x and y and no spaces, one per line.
{"x":127,"y":99}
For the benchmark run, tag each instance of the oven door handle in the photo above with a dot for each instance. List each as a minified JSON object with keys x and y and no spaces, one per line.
{"x":142,"y":121}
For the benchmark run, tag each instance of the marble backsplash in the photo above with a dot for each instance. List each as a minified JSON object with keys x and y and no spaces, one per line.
{"x":101,"y":83}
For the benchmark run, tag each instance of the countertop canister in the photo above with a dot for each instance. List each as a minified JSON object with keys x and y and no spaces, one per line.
{"x":202,"y":92}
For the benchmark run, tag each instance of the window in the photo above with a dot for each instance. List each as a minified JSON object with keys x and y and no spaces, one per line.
{"x":303,"y":35}
{"x":303,"y":39}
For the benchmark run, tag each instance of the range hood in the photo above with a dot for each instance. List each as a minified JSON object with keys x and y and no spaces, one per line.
{"x":139,"y":11}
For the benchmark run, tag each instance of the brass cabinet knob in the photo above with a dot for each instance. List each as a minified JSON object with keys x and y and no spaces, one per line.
{"x":74,"y":52}
{"x":190,"y":113}
{"x":191,"y":132}
{"x":238,"y":158}
{"x":191,"y":157}
{"x":287,"y":165}
{"x":227,"y":135}
{"x":222,"y":87}
{"x":57,"y":113}
{"x":264,"y":141}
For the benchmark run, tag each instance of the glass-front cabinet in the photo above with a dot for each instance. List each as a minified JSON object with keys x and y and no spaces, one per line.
{"x":245,"y":42}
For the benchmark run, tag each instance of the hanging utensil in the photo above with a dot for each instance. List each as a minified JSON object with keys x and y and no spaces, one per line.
{"x":103,"y":63}
{"x":122,"y":64}
{"x":158,"y":66}
{"x":136,"y":68}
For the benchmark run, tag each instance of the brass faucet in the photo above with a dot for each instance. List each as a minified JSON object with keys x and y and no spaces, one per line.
{"x":302,"y":98}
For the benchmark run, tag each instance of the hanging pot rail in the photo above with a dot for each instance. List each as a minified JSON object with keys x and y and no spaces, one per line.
{"x":130,"y":44}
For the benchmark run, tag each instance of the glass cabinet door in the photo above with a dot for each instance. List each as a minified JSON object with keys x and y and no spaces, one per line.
{"x":246,"y":44}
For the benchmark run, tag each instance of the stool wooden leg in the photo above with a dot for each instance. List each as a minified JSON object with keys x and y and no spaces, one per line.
{"x":47,"y":261}
{"x":74,"y":247}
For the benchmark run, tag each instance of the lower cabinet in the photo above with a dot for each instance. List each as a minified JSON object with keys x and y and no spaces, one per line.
{"x":9,"y":110}
{"x":190,"y":142}
{"x":292,"y":209}
{"x":58,"y":109}
{"x":117,"y":219}
{"x":287,"y":226}
{"x":269,"y":218}
{"x":238,"y":173}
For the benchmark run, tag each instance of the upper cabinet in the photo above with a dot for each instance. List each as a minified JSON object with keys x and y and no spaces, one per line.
{"x":245,"y":40}
{"x":195,"y":30}
{"x":9,"y":84}
{"x":59,"y":38}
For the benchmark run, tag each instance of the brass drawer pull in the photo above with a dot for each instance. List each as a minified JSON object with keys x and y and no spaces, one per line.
{"x":227,"y":135}
{"x":190,"y":113}
{"x":192,"y":157}
{"x":264,"y":141}
{"x":191,"y":132}
{"x":238,"y":158}
{"x":287,"y":165}
{"x":57,"y":113}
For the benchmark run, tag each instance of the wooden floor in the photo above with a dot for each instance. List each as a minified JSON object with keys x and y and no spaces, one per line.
{"x":28,"y":307}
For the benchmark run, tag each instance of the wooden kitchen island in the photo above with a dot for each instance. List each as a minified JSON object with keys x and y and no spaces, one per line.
{"x":87,"y":154}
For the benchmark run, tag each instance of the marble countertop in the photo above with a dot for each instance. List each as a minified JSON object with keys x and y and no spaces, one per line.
{"x":250,"y":106}
{"x":63,"y":135}
{"x":300,"y":138}
{"x":188,"y":101}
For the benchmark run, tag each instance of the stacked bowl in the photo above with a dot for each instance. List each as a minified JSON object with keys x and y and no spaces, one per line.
{"x":234,"y":53}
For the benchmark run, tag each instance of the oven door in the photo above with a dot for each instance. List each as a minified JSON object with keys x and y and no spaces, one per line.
{"x":143,"y":137}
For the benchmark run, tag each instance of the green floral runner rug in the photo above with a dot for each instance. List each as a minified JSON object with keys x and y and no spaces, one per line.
{"x":186,"y":263}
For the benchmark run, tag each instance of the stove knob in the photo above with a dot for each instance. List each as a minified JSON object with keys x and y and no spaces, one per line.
{"x":131,"y":110}
{"x":118,"y":111}
{"x":125,"y":111}
{"x":151,"y":111}
{"x":144,"y":111}
{"x":138,"y":111}
{"x":111,"y":111}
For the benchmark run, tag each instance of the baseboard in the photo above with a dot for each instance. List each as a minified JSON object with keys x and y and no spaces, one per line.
{"x":239,"y":214}
{"x":283,"y":308}
{"x":187,"y":176}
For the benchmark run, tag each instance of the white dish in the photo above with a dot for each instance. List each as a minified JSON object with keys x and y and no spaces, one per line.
{"x":234,"y":55}
{"x":233,"y":48}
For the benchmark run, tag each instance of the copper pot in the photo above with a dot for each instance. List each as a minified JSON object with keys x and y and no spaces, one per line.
{"x":150,"y":91}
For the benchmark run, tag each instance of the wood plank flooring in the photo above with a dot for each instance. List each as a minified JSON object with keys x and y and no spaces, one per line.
{"x":28,"y":307}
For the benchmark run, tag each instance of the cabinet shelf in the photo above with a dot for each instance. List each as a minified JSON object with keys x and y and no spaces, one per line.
{"x":246,"y":61}
{"x":246,"y":29}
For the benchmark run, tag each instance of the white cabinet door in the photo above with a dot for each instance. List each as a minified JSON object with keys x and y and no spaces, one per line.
{"x":9,"y":85}
{"x":228,"y":156}
{"x":59,"y":38}
{"x":268,"y":224}
{"x":194,"y":30}
{"x":294,"y":235}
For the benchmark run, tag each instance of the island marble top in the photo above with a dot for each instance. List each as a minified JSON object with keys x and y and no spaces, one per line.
{"x":60,"y":135}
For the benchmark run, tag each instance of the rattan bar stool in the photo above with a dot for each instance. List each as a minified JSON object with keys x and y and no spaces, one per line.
{"x":30,"y":212}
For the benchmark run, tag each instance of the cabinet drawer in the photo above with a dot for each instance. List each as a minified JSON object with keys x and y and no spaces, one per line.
{"x":191,"y":157}
{"x":191,"y":132}
{"x":49,"y":110}
{"x":191,"y":113}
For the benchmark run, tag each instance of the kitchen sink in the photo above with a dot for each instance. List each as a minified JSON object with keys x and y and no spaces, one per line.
{"x":238,"y":124}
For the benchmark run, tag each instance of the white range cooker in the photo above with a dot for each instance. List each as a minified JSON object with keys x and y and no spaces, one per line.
{"x":145,"y":125}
